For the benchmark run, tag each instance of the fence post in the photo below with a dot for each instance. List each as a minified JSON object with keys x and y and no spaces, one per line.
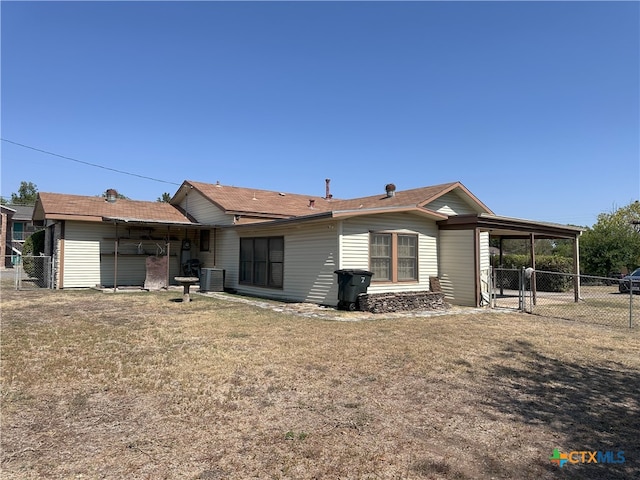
{"x":630,"y":302}
{"x":521,"y":305}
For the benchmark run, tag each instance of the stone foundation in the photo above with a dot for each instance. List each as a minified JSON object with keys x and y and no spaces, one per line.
{"x":401,"y":302}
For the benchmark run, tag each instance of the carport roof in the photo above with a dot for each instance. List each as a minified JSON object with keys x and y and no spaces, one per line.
{"x":508,"y":227}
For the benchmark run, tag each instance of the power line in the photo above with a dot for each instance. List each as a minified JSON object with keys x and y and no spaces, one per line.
{"x":88,"y":163}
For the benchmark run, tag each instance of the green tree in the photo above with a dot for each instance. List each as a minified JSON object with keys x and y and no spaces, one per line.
{"x":27,"y":194}
{"x":613,"y":243}
{"x":166,"y":197}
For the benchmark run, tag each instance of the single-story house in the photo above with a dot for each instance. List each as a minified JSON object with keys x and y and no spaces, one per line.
{"x":288,"y":246}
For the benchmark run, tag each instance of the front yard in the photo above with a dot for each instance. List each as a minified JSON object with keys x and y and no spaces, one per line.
{"x":97,"y":385}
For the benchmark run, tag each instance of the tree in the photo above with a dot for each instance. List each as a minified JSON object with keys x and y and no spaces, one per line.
{"x":613,"y":243}
{"x":166,"y":197}
{"x":27,"y":194}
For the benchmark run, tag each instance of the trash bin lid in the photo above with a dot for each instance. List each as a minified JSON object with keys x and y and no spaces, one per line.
{"x":351,"y":271}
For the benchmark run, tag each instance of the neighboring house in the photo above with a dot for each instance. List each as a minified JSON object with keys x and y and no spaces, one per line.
{"x":6,"y":220}
{"x":17,"y":226}
{"x":287,"y":246}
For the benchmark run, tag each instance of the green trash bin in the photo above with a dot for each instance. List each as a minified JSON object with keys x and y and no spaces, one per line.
{"x":351,"y":283}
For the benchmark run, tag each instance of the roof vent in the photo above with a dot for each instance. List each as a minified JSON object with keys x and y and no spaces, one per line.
{"x":312,"y":203}
{"x":112,"y":195}
{"x":391,"y":189}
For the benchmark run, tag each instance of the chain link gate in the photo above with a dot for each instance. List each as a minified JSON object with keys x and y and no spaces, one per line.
{"x":552,"y":294}
{"x":33,"y":272}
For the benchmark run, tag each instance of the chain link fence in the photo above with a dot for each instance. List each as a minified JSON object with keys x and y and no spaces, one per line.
{"x":598,"y":300}
{"x":29,"y":272}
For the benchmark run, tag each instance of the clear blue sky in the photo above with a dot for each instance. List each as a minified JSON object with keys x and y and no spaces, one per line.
{"x":533,"y":106}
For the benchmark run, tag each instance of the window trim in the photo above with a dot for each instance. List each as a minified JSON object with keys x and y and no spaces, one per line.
{"x":269,"y":264}
{"x":393,"y":267}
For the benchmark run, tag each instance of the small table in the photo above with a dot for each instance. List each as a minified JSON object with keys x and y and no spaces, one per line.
{"x":186,"y":283}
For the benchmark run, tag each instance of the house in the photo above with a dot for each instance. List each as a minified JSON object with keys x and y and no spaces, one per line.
{"x":288,"y":246}
{"x":17,"y":226}
{"x":6,"y":220}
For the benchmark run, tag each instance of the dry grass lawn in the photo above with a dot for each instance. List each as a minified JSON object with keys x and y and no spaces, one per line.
{"x":135,"y":386}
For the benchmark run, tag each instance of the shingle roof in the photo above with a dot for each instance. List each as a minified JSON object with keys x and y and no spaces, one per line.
{"x":286,"y":205}
{"x":59,"y":205}
{"x":261,"y":202}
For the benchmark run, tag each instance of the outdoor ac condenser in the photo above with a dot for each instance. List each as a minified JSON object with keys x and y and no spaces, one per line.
{"x":212,"y":280}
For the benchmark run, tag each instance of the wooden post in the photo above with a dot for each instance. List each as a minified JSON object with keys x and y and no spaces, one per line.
{"x":576,"y":269}
{"x":168,"y":255}
{"x":115,"y":262}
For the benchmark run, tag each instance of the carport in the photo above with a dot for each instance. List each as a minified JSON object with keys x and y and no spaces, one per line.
{"x":513,"y":228}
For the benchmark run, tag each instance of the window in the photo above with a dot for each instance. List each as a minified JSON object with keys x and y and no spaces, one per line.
{"x":394,"y":257}
{"x":204,"y":240}
{"x":262,"y":261}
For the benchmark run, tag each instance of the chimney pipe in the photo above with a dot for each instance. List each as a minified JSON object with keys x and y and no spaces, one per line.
{"x":312,"y":203}
{"x":327,"y":194}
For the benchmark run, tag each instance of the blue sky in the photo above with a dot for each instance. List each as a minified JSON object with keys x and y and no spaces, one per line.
{"x":533,"y":106}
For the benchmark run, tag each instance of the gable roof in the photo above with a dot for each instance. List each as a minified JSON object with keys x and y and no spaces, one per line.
{"x":60,"y":206}
{"x":417,"y":197}
{"x":274,"y":205}
{"x":252,"y":201}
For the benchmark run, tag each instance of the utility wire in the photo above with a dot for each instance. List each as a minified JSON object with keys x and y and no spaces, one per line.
{"x":88,"y":163}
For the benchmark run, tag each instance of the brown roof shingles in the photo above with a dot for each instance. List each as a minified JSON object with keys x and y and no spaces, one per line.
{"x":265,"y":202}
{"x":60,"y":205}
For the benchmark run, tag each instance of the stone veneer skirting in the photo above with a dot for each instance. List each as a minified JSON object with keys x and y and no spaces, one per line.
{"x":401,"y":302}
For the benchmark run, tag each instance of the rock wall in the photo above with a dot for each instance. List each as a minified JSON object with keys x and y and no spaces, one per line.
{"x":401,"y":302}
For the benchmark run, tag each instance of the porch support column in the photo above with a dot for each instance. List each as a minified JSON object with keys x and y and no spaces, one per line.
{"x":501,"y":264}
{"x":476,"y":255}
{"x":576,"y":269}
{"x":168,"y":255}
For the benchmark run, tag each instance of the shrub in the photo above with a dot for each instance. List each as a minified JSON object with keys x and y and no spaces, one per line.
{"x":544,"y":282}
{"x":33,"y":246}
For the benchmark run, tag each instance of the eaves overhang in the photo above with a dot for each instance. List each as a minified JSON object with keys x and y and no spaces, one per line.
{"x":143,"y":221}
{"x":341,"y":215}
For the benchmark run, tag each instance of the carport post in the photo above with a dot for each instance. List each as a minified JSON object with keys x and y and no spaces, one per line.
{"x":576,"y":269}
{"x":533,"y":265}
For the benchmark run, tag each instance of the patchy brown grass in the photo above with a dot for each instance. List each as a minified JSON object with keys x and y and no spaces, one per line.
{"x":100,"y":385}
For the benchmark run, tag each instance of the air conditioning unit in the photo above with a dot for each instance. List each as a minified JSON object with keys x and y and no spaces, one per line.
{"x":211,"y":279}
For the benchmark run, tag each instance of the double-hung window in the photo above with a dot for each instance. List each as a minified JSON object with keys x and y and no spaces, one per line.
{"x":394,"y":257}
{"x":262,"y":261}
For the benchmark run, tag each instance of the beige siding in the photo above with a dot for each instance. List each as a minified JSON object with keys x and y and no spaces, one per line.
{"x":355,"y":247}
{"x":310,"y":258}
{"x":82,"y":254}
{"x":204,"y":211}
{"x":457,"y":269}
{"x":450,"y":204}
